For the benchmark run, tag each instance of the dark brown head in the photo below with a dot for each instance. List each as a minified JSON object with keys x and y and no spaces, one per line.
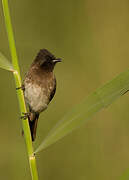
{"x":46,"y":60}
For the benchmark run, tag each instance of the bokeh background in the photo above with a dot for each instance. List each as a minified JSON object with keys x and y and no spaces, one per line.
{"x":92,"y":38}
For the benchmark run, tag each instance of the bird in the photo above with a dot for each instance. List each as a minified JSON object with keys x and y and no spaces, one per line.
{"x":39,"y":86}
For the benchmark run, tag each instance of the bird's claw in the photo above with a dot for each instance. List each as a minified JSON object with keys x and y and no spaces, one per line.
{"x":21,"y":87}
{"x":25,"y":115}
{"x":18,"y":88}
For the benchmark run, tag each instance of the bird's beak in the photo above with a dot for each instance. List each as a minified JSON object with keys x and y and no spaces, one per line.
{"x":57,"y":60}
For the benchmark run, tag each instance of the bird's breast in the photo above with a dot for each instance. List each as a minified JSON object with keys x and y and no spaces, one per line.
{"x":36,"y":97}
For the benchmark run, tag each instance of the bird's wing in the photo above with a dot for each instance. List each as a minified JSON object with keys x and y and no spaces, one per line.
{"x":53,"y":91}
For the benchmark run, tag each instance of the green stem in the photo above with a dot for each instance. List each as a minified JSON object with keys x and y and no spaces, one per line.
{"x":17,"y":77}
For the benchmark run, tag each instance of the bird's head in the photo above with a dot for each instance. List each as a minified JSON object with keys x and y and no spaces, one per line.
{"x":46,"y":60}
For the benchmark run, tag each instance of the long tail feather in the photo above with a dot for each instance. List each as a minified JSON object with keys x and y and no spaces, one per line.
{"x":33,"y":120}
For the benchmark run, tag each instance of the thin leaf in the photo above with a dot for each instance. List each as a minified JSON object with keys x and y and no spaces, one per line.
{"x":96,"y":101}
{"x":125,"y":175}
{"x":4,"y":63}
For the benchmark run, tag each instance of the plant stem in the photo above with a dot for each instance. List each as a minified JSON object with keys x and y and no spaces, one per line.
{"x":17,"y":77}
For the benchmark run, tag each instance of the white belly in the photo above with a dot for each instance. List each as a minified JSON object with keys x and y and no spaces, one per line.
{"x":35,"y":97}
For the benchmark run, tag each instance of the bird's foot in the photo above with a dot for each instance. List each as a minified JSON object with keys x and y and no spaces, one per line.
{"x":25,"y":115}
{"x":22,"y":88}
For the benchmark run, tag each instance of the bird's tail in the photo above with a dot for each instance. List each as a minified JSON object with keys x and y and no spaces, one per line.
{"x":33,"y":120}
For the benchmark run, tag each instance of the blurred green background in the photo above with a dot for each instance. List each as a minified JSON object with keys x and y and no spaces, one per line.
{"x":92,"y":38}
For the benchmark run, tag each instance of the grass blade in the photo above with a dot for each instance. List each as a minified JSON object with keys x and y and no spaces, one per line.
{"x":4,"y":63}
{"x":96,"y":101}
{"x":125,"y":175}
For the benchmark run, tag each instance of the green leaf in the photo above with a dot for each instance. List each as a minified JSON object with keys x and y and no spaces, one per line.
{"x":125,"y":175}
{"x":96,"y":101}
{"x":4,"y":63}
